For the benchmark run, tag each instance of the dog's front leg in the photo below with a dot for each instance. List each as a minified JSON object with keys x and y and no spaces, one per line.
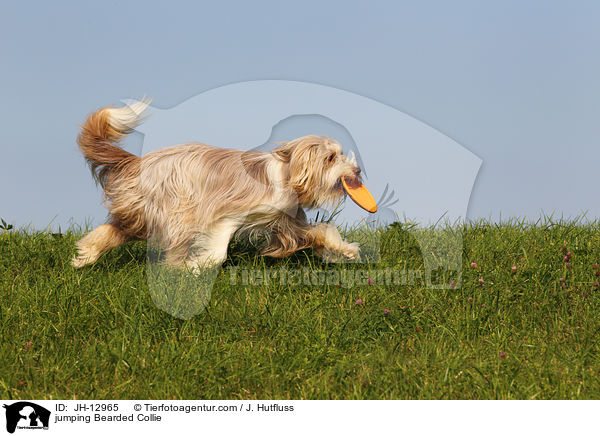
{"x":210,"y":247}
{"x":327,"y":237}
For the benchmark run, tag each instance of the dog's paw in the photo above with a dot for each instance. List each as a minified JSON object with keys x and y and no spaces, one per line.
{"x":200,"y":264}
{"x":351,"y":250}
{"x":79,"y":261}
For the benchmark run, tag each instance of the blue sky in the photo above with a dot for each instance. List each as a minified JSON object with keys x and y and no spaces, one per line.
{"x":516,"y":83}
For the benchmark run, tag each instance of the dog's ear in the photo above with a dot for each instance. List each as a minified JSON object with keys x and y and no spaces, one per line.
{"x":304,"y":174}
{"x":284,"y":151}
{"x":303,"y":167}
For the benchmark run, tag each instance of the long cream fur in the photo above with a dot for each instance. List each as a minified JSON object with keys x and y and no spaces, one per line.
{"x":193,"y":197}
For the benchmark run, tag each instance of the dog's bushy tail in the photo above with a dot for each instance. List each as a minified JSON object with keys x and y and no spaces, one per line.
{"x":100,"y":135}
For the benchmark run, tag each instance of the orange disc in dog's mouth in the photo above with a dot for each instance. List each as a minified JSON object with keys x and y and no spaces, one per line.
{"x":359,"y":194}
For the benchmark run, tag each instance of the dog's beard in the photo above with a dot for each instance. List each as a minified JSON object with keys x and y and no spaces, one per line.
{"x":331,"y":192}
{"x":331,"y":197}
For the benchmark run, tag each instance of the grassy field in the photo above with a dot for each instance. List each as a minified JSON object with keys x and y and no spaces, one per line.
{"x":525,"y":332}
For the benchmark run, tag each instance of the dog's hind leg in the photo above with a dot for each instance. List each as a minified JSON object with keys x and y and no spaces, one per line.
{"x":210,"y":247}
{"x":98,"y":241}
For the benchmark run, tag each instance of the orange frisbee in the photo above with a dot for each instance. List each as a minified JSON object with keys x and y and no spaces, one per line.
{"x":360,"y":194}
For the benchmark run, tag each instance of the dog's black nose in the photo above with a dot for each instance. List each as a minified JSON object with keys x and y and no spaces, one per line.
{"x":357,"y":171}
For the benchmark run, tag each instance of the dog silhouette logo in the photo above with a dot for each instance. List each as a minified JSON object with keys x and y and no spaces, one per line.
{"x":419,"y":175}
{"x":26,"y":415}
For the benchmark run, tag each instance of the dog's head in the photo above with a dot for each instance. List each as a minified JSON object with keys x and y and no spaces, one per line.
{"x":315,"y":166}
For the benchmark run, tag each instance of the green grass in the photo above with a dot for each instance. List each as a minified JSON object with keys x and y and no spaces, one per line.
{"x":96,"y":333}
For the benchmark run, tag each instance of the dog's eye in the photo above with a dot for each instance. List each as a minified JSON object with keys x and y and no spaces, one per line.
{"x":331,"y":158}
